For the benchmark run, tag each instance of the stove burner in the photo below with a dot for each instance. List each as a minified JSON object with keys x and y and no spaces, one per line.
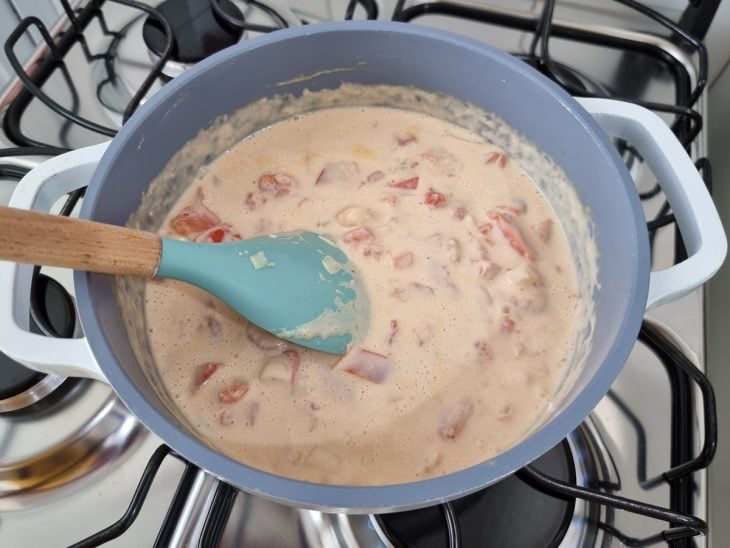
{"x":21,"y":387}
{"x":508,"y":513}
{"x":197,"y":32}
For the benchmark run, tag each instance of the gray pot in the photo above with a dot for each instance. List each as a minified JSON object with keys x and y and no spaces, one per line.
{"x":391,"y":53}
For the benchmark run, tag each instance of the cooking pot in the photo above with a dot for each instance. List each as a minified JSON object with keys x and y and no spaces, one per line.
{"x":574,"y":133}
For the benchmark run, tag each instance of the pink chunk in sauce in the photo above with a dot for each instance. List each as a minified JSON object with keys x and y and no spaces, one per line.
{"x":367,"y":365}
{"x":278,"y":184}
{"x":453,"y":419}
{"x":406,"y":184}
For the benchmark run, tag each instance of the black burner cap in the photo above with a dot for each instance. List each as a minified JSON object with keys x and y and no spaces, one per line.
{"x":508,"y":513}
{"x":196,"y":30}
{"x":58,"y":307}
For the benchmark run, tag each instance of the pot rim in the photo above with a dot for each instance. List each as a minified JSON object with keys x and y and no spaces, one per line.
{"x":386,"y":498}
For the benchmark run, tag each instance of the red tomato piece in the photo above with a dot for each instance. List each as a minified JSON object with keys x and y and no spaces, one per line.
{"x":205,"y":371}
{"x":277,"y":184}
{"x":367,"y":365}
{"x":435,"y":199}
{"x":194,"y":219}
{"x":221,"y":233}
{"x":233,"y":393}
{"x":497,"y":158}
{"x":407,"y":184}
{"x":459,"y":213}
{"x":453,"y":419}
{"x":511,"y":232}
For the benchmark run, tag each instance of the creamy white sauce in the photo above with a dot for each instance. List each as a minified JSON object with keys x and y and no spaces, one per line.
{"x":487,"y":323}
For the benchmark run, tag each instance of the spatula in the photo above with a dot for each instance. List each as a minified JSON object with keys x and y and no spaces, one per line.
{"x":298,"y":286}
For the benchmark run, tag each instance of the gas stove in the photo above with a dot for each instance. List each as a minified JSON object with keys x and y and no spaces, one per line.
{"x":76,"y":468}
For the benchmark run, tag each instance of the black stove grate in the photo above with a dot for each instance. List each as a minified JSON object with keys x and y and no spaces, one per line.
{"x":684,"y":376}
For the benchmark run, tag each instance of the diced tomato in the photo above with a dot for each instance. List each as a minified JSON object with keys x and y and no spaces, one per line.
{"x":407,"y":184}
{"x":194,"y":219}
{"x":263,"y":339}
{"x":453,"y":419}
{"x":211,"y":326}
{"x":434,"y":199}
{"x":221,"y":233}
{"x":337,"y":172}
{"x":543,"y":230}
{"x":404,"y":260}
{"x":375,"y":176}
{"x":233,"y":393}
{"x":277,"y":184}
{"x":510,"y":231}
{"x":497,"y":158}
{"x":358,"y":235}
{"x":205,"y":371}
{"x":405,"y":138}
{"x":367,"y":365}
{"x":393,"y":331}
{"x":459,"y":213}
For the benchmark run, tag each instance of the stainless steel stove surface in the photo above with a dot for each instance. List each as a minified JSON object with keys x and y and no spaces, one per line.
{"x":73,"y":462}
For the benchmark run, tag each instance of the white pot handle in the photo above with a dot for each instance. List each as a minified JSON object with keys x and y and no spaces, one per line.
{"x":690,"y":201}
{"x":39,"y":190}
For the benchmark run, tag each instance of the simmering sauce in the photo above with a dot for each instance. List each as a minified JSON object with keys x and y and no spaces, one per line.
{"x":471,"y":284}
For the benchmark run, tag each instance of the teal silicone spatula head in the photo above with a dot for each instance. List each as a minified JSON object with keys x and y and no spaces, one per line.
{"x":298,"y":286}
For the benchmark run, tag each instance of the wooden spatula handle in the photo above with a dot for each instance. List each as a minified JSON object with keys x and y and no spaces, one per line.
{"x":38,"y":238}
